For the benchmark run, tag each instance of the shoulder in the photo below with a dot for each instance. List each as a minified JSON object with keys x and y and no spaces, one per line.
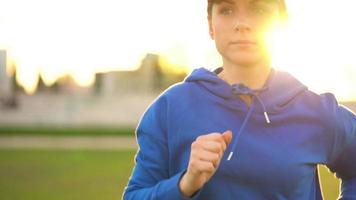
{"x":338,"y":118}
{"x":179,"y":90}
{"x":177,"y":94}
{"x":325,"y":104}
{"x":326,"y":107}
{"x":172,"y":98}
{"x":166,"y":106}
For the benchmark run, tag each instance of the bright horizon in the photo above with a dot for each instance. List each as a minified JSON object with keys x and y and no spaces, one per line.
{"x":79,"y":38}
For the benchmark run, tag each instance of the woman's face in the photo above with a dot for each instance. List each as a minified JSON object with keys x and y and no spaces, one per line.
{"x":239,"y":27}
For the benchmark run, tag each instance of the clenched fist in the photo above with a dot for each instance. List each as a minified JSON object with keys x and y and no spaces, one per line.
{"x":205,"y":156}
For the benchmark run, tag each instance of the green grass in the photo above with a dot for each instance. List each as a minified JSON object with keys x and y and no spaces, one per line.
{"x":62,"y":175}
{"x":330,"y":185}
{"x":59,"y":174}
{"x":66,"y":131}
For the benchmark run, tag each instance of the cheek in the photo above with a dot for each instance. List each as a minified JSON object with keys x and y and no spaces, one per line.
{"x":222,"y":39}
{"x":223,"y":24}
{"x":264,"y":27}
{"x":222,"y":31}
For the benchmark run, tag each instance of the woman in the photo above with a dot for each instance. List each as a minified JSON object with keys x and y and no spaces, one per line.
{"x":244,"y":130}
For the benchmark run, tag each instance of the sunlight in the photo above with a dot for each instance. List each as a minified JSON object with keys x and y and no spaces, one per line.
{"x":317,"y":46}
{"x":79,"y":38}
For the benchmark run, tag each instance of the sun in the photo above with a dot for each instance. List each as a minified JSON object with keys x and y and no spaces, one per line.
{"x":318,"y":55}
{"x":317,"y":44}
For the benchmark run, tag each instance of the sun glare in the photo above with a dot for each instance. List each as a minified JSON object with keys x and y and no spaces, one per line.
{"x":317,"y":46}
{"x":79,"y":38}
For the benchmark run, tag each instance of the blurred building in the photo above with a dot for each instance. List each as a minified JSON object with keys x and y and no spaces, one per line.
{"x":117,"y":99}
{"x":7,"y":98}
{"x":148,"y":79}
{"x":4,"y":79}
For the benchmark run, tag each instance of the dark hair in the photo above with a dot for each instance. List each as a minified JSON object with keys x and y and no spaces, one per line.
{"x":282,"y":7}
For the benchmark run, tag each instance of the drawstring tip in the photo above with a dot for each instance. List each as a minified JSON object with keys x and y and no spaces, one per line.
{"x":230,"y":155}
{"x":267,"y":118}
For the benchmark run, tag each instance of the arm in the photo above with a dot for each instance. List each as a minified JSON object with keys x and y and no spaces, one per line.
{"x":345,"y":168}
{"x":150,"y":177}
{"x":343,"y":159}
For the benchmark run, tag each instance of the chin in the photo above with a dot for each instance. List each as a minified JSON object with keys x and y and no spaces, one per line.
{"x":245,"y":59}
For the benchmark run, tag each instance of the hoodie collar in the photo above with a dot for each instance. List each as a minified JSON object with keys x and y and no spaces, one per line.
{"x":279,"y":88}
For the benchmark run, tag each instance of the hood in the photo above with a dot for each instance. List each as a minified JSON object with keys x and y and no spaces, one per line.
{"x":279,"y":89}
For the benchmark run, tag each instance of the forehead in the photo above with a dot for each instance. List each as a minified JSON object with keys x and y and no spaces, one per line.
{"x":247,"y":1}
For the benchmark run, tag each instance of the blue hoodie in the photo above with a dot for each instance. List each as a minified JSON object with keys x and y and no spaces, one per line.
{"x":277,"y":141}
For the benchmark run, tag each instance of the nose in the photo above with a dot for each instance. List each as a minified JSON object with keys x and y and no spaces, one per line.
{"x":242,"y":23}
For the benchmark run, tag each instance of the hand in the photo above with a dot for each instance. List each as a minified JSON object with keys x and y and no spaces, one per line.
{"x":205,"y":156}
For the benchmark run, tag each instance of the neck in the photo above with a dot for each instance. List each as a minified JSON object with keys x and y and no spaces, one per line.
{"x":253,"y":76}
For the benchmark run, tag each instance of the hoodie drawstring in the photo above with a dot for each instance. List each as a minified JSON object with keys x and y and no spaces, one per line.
{"x":241,"y":89}
{"x":263,"y":107}
{"x":234,"y":143}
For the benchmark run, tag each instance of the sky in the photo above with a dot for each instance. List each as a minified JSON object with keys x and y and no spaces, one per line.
{"x":54,"y":38}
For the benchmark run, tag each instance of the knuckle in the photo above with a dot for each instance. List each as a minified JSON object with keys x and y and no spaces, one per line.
{"x":193,"y":163}
{"x":215,"y":134}
{"x":221,"y":155}
{"x":195,"y":154}
{"x":211,"y":167}
{"x":201,"y":168}
{"x":218,"y":148}
{"x":222,"y":147}
{"x":195,"y":145}
{"x":217,"y":156}
{"x":200,"y":137}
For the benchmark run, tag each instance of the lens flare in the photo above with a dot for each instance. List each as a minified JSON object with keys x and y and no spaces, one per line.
{"x":79,"y":38}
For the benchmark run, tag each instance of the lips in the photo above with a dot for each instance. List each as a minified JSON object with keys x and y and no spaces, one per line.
{"x":243,"y":42}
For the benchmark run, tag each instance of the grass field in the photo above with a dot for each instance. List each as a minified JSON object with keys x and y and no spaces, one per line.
{"x":71,"y":175}
{"x":59,"y":175}
{"x":66,"y":131}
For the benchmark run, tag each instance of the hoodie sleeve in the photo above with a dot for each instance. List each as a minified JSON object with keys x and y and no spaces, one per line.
{"x":342,"y":160}
{"x":150,"y":178}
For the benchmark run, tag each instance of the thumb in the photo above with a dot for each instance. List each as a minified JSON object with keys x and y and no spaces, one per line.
{"x":227,"y":135}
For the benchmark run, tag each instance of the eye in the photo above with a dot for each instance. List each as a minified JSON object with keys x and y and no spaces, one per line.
{"x":261,"y":9}
{"x":226,"y":11}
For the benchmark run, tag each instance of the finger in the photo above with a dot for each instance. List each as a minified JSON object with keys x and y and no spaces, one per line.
{"x":213,"y":146}
{"x":227,"y":135}
{"x":200,"y":166}
{"x":208,"y":156}
{"x":210,"y":146}
{"x":212,"y":137}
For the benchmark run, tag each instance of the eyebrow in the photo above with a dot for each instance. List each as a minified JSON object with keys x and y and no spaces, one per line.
{"x":225,"y":1}
{"x":264,"y":1}
{"x":251,"y":2}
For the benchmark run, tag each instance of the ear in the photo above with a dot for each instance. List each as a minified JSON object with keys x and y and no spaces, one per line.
{"x":211,"y":29}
